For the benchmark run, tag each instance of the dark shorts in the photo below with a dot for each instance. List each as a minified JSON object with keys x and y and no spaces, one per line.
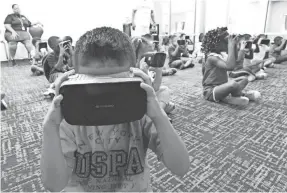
{"x":208,"y":93}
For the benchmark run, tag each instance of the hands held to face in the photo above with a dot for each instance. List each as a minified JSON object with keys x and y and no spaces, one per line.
{"x":66,"y":49}
{"x":55,"y":117}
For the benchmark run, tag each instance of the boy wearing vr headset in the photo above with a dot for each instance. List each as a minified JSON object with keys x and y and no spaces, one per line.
{"x":112,"y":157}
{"x":178,"y":54}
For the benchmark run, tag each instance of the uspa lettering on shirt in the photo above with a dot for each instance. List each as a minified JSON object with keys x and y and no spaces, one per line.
{"x":96,"y":164}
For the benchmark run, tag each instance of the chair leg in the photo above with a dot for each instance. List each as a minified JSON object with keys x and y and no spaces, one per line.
{"x":6,"y":51}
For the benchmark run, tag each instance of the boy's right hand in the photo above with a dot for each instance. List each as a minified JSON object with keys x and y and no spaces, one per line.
{"x":233,"y":40}
{"x":62,"y":49}
{"x":243,"y":45}
{"x":153,"y":107}
{"x":54,"y":116}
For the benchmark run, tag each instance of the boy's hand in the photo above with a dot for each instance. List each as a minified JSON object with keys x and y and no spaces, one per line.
{"x":62,"y":49}
{"x":54,"y":115}
{"x":233,"y":41}
{"x":153,"y":107}
{"x":243,"y":45}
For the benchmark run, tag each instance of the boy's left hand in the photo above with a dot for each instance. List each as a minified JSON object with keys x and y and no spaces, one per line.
{"x":153,"y":107}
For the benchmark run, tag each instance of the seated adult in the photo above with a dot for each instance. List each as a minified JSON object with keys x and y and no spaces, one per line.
{"x":59,"y":60}
{"x":276,"y":49}
{"x":175,"y":53}
{"x":16,"y":31}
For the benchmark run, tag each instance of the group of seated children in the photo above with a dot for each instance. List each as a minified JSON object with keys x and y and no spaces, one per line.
{"x":244,"y":61}
{"x":109,"y":158}
{"x":256,"y":55}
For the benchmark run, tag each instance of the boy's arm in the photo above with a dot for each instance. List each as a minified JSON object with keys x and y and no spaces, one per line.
{"x":231,"y":60}
{"x":173,"y":52}
{"x":56,"y":171}
{"x":165,"y":142}
{"x":279,"y":48}
{"x":241,"y":55}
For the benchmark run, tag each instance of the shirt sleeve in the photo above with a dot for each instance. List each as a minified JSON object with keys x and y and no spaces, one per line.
{"x":151,"y":135}
{"x":8,"y":19}
{"x":68,"y":143}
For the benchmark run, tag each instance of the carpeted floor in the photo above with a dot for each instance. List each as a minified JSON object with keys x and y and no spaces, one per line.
{"x":231,"y":149}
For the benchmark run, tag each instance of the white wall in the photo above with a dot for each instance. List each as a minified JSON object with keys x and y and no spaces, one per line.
{"x":276,"y":22}
{"x":216,"y":14}
{"x":246,"y":16}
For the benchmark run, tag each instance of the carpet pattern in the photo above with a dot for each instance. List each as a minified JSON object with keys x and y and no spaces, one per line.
{"x":231,"y":149}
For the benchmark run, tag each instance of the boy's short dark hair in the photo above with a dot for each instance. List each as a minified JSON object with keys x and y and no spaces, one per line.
{"x":68,"y":38}
{"x":14,"y":5}
{"x":201,"y":36}
{"x":103,"y":43}
{"x":165,"y":40}
{"x":277,"y":38}
{"x":147,"y":36}
{"x":246,"y":36}
{"x":173,"y":36}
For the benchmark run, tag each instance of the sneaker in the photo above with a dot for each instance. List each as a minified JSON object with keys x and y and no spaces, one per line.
{"x":240,"y":101}
{"x":272,"y":65}
{"x":173,"y":71}
{"x":253,"y":95}
{"x":50,"y":93}
{"x":169,"y":107}
{"x":188,"y":65}
{"x":261,"y":76}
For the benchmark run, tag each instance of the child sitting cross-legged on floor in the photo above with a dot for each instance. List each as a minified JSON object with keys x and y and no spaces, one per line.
{"x":178,"y":55}
{"x":216,"y":86}
{"x":38,"y":54}
{"x":143,"y":45}
{"x":72,"y":160}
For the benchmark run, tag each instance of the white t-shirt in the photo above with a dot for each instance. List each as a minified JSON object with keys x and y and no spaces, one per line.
{"x":143,"y":12}
{"x":262,"y":51}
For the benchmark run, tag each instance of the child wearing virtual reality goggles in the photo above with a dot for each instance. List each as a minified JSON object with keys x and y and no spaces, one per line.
{"x":112,"y":157}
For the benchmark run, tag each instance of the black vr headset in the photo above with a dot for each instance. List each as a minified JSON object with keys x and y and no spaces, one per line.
{"x":94,"y":101}
{"x":155,"y":59}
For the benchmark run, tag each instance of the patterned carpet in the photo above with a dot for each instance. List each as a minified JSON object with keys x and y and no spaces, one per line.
{"x":231,"y":149}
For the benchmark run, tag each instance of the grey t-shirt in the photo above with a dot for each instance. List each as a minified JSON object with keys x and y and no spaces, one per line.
{"x":109,"y":158}
{"x":213,"y":75}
